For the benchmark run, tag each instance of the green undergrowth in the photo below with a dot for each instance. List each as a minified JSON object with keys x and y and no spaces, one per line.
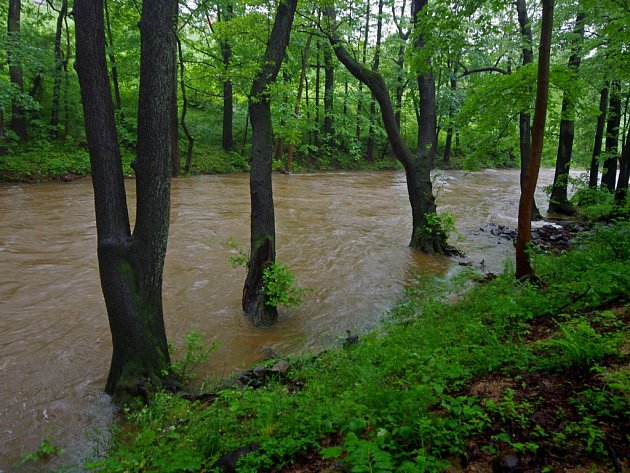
{"x":407,"y":397}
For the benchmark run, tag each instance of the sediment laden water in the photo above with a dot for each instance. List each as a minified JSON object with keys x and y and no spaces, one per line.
{"x":345,"y":235}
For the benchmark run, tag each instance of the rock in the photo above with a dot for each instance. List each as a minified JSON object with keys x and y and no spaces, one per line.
{"x":507,"y":463}
{"x":229,"y":461}
{"x":259,"y":371}
{"x":281,"y":367}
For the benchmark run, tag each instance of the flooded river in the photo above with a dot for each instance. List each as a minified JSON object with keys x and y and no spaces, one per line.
{"x":345,"y":235}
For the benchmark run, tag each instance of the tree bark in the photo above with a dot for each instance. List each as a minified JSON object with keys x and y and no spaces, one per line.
{"x":559,"y":200}
{"x":182,"y":120}
{"x":18,"y":114}
{"x":131,"y":265}
{"x":227,"y":139}
{"x":621,"y":191}
{"x":599,"y":134}
{"x":263,"y":234}
{"x":364,"y":47}
{"x":523,"y":264}
{"x":427,"y":123}
{"x":329,"y":90}
{"x":113,"y":66}
{"x":59,"y":66}
{"x":425,"y":237}
{"x":369,"y":153}
{"x":175,"y":163}
{"x":612,"y":137}
{"x":449,"y":131}
{"x":307,"y":47}
{"x":317,"y":98}
{"x":525,"y":139}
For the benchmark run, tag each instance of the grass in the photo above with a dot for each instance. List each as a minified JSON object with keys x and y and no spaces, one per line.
{"x":538,"y":373}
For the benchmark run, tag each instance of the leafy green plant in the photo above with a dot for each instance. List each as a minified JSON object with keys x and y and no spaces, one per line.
{"x":279,"y":284}
{"x":196,"y":352}
{"x":45,"y":452}
{"x":367,"y":456}
{"x":443,"y":223}
{"x":239,"y":256}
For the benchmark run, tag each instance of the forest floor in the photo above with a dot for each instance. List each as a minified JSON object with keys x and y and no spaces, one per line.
{"x":469,"y":374}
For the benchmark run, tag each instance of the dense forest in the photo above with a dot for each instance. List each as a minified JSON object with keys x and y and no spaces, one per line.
{"x":157,"y":89}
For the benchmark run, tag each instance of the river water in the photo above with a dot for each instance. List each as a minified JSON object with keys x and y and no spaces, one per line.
{"x":345,"y":236}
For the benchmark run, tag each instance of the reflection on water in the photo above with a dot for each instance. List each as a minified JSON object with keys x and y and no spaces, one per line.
{"x":345,"y":235}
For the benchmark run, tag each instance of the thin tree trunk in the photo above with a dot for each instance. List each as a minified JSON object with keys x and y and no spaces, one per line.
{"x":131,"y":265}
{"x":364,"y":47}
{"x":449,"y":131}
{"x":375,"y":65}
{"x":245,"y":132}
{"x":182,"y":120}
{"x":599,"y":134}
{"x":523,"y":264}
{"x":317,"y":98}
{"x":227,"y":140}
{"x":612,"y":137}
{"x":256,"y":302}
{"x":624,"y":174}
{"x":298,"y":99}
{"x":559,"y":199}
{"x":18,"y":114}
{"x":112,"y":63}
{"x":329,"y":90}
{"x":66,"y":74}
{"x":59,"y":60}
{"x":425,"y":237}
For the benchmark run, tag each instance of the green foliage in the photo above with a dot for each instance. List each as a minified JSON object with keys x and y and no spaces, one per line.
{"x":44,"y":453}
{"x":443,"y":223}
{"x":196,"y":352}
{"x":239,"y":256}
{"x":279,"y":284}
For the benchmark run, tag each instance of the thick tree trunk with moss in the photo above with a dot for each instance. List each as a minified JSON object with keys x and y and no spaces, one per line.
{"x":523,"y":265}
{"x":425,"y":237}
{"x":131,"y":265}
{"x":559,"y":200}
{"x":263,"y":233}
{"x":599,"y":135}
{"x":612,"y":137}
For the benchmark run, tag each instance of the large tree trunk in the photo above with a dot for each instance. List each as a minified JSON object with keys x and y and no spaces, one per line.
{"x":263,"y":234}
{"x":59,"y":66}
{"x":131,"y":265}
{"x":427,"y":136}
{"x":18,"y":115}
{"x":425,"y":237}
{"x":599,"y":134}
{"x":525,"y":138}
{"x":612,"y":137}
{"x":559,"y":200}
{"x":523,"y":265}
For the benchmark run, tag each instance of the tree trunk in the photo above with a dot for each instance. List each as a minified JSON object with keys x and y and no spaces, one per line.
{"x":599,"y":134}
{"x":131,"y":265}
{"x":227,"y":139}
{"x":559,"y":200}
{"x":427,"y":123}
{"x":425,"y":237}
{"x":317,"y":98}
{"x":523,"y":265}
{"x":449,"y":131}
{"x":59,"y":60}
{"x":18,"y":114}
{"x":624,"y":174}
{"x":525,"y":140}
{"x":375,"y":65}
{"x":307,"y":47}
{"x":612,"y":137}
{"x":182,"y":121}
{"x":329,"y":90}
{"x":114,"y":68}
{"x":263,"y":235}
{"x":175,"y":164}
{"x":365,"y":43}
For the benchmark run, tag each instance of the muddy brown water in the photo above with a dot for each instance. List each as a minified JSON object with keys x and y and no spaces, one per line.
{"x":345,"y":235}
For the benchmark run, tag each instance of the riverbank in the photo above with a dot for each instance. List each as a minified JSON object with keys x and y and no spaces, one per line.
{"x":503,"y":377}
{"x":50,"y":162}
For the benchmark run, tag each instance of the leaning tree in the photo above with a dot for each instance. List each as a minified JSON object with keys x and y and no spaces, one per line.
{"x":131,"y":263}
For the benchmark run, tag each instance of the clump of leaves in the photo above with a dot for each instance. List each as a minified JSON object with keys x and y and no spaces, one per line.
{"x":280,"y":286}
{"x":196,"y":352}
{"x":45,"y":452}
